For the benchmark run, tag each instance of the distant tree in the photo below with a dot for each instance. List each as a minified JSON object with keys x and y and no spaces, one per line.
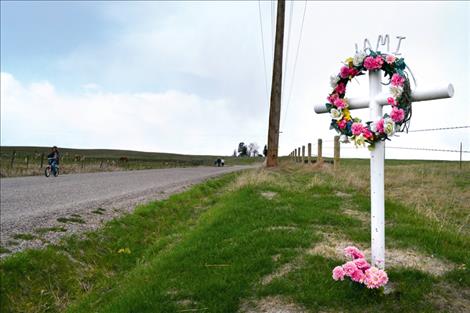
{"x":265,"y":150}
{"x":242,"y":149}
{"x":253,"y":149}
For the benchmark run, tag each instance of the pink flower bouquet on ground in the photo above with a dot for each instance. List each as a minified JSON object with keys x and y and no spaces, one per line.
{"x":359,"y":270}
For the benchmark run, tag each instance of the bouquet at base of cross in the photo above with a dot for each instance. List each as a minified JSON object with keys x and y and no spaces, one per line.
{"x":359,"y":270}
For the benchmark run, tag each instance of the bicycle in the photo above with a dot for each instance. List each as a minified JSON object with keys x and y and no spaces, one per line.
{"x":52,"y":168}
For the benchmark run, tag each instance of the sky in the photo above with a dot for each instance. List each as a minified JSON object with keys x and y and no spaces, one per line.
{"x":189,"y":77}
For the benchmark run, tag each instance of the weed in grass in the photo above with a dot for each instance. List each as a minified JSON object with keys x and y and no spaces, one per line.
{"x":75,"y":215}
{"x":12,"y":243}
{"x":4,"y":250}
{"x":99,"y":211}
{"x":71,"y":220}
{"x":44,"y":230}
{"x":24,"y":236}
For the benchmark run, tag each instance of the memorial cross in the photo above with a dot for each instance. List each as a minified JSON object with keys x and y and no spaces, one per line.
{"x":374,"y":102}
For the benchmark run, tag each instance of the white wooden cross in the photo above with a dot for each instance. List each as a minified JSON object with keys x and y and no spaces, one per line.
{"x":374,"y":102}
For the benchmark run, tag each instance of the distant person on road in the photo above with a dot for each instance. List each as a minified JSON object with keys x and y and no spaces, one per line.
{"x":54,"y":157}
{"x":218,"y":162}
{"x":222,"y":162}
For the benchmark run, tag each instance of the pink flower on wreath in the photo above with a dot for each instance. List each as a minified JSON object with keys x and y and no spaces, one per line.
{"x":391,"y":101}
{"x":390,"y":59}
{"x":397,"y":80}
{"x":344,"y":72}
{"x":340,"y":88}
{"x":342,"y":124}
{"x":353,"y":72}
{"x":375,"y":278}
{"x":367,"y":133}
{"x":332,"y":98}
{"x":340,"y":103}
{"x":358,"y":276}
{"x":362,"y":264}
{"x":352,"y":251}
{"x":356,"y":129}
{"x":397,"y":114}
{"x":372,"y":63}
{"x":338,"y":273}
{"x":349,"y":268}
{"x":380,"y":126}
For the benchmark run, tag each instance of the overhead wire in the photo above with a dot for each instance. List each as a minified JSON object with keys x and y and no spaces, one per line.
{"x":295,"y":65}
{"x":262,"y":46}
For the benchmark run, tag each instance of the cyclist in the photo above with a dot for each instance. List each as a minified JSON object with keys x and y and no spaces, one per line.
{"x":53,"y":158}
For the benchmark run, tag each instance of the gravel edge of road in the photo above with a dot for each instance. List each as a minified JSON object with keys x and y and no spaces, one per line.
{"x":110,"y":209}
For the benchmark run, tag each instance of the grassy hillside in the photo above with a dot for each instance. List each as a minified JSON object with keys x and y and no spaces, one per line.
{"x":27,"y":160}
{"x":260,"y":240}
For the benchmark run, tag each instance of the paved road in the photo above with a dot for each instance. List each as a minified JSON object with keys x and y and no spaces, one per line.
{"x":27,"y":202}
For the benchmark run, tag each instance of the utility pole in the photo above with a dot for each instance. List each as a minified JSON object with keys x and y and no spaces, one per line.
{"x":276,"y":87}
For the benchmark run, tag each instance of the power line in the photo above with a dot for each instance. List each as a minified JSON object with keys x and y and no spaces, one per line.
{"x":295,"y":64}
{"x":436,"y":129}
{"x":262,"y":46}
{"x":287,"y":50}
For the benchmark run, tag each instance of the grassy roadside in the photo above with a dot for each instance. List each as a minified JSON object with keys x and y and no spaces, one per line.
{"x":240,"y":243}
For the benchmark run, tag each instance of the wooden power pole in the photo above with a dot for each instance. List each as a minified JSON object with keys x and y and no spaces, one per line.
{"x":276,"y":87}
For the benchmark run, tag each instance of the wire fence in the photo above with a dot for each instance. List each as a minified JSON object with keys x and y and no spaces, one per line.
{"x":328,"y":149}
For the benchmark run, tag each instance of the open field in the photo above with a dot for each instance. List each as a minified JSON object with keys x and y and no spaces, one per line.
{"x":27,"y":160}
{"x":262,"y":241}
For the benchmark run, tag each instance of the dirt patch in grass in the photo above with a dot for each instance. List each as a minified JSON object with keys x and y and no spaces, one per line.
{"x":358,"y":215}
{"x":449,"y":298}
{"x":282,"y":271}
{"x":269,"y":194}
{"x":271,"y":305}
{"x":333,"y":245}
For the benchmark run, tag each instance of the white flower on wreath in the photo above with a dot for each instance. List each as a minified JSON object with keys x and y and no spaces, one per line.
{"x":334,"y":79}
{"x":359,"y":58}
{"x":336,"y":114}
{"x":344,"y":139}
{"x":373,"y":127}
{"x":389,"y":126}
{"x":359,"y":140}
{"x":396,"y":91}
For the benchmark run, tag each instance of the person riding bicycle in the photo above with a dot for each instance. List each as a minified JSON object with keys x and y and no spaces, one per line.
{"x":54,"y":157}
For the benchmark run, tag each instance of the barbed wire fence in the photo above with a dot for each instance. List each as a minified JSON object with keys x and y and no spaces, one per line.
{"x":333,"y":151}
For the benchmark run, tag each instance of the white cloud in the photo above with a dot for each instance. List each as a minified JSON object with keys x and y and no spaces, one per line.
{"x":171,"y":121}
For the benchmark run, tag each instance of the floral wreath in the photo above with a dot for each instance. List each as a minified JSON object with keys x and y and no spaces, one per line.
{"x":373,"y":131}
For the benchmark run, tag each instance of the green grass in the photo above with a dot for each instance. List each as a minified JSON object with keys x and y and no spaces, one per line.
{"x":99,"y":211}
{"x":209,"y":247}
{"x":24,"y":236}
{"x":73,"y":219}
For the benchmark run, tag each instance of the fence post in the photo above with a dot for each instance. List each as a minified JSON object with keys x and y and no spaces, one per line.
{"x":309,"y":152}
{"x":295,"y":155}
{"x":12,"y":159}
{"x":337,"y":153}
{"x":298,"y":154}
{"x":303,"y":154}
{"x":101,"y":164}
{"x":319,"y":151}
{"x":42,"y":159}
{"x":460,"y":162}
